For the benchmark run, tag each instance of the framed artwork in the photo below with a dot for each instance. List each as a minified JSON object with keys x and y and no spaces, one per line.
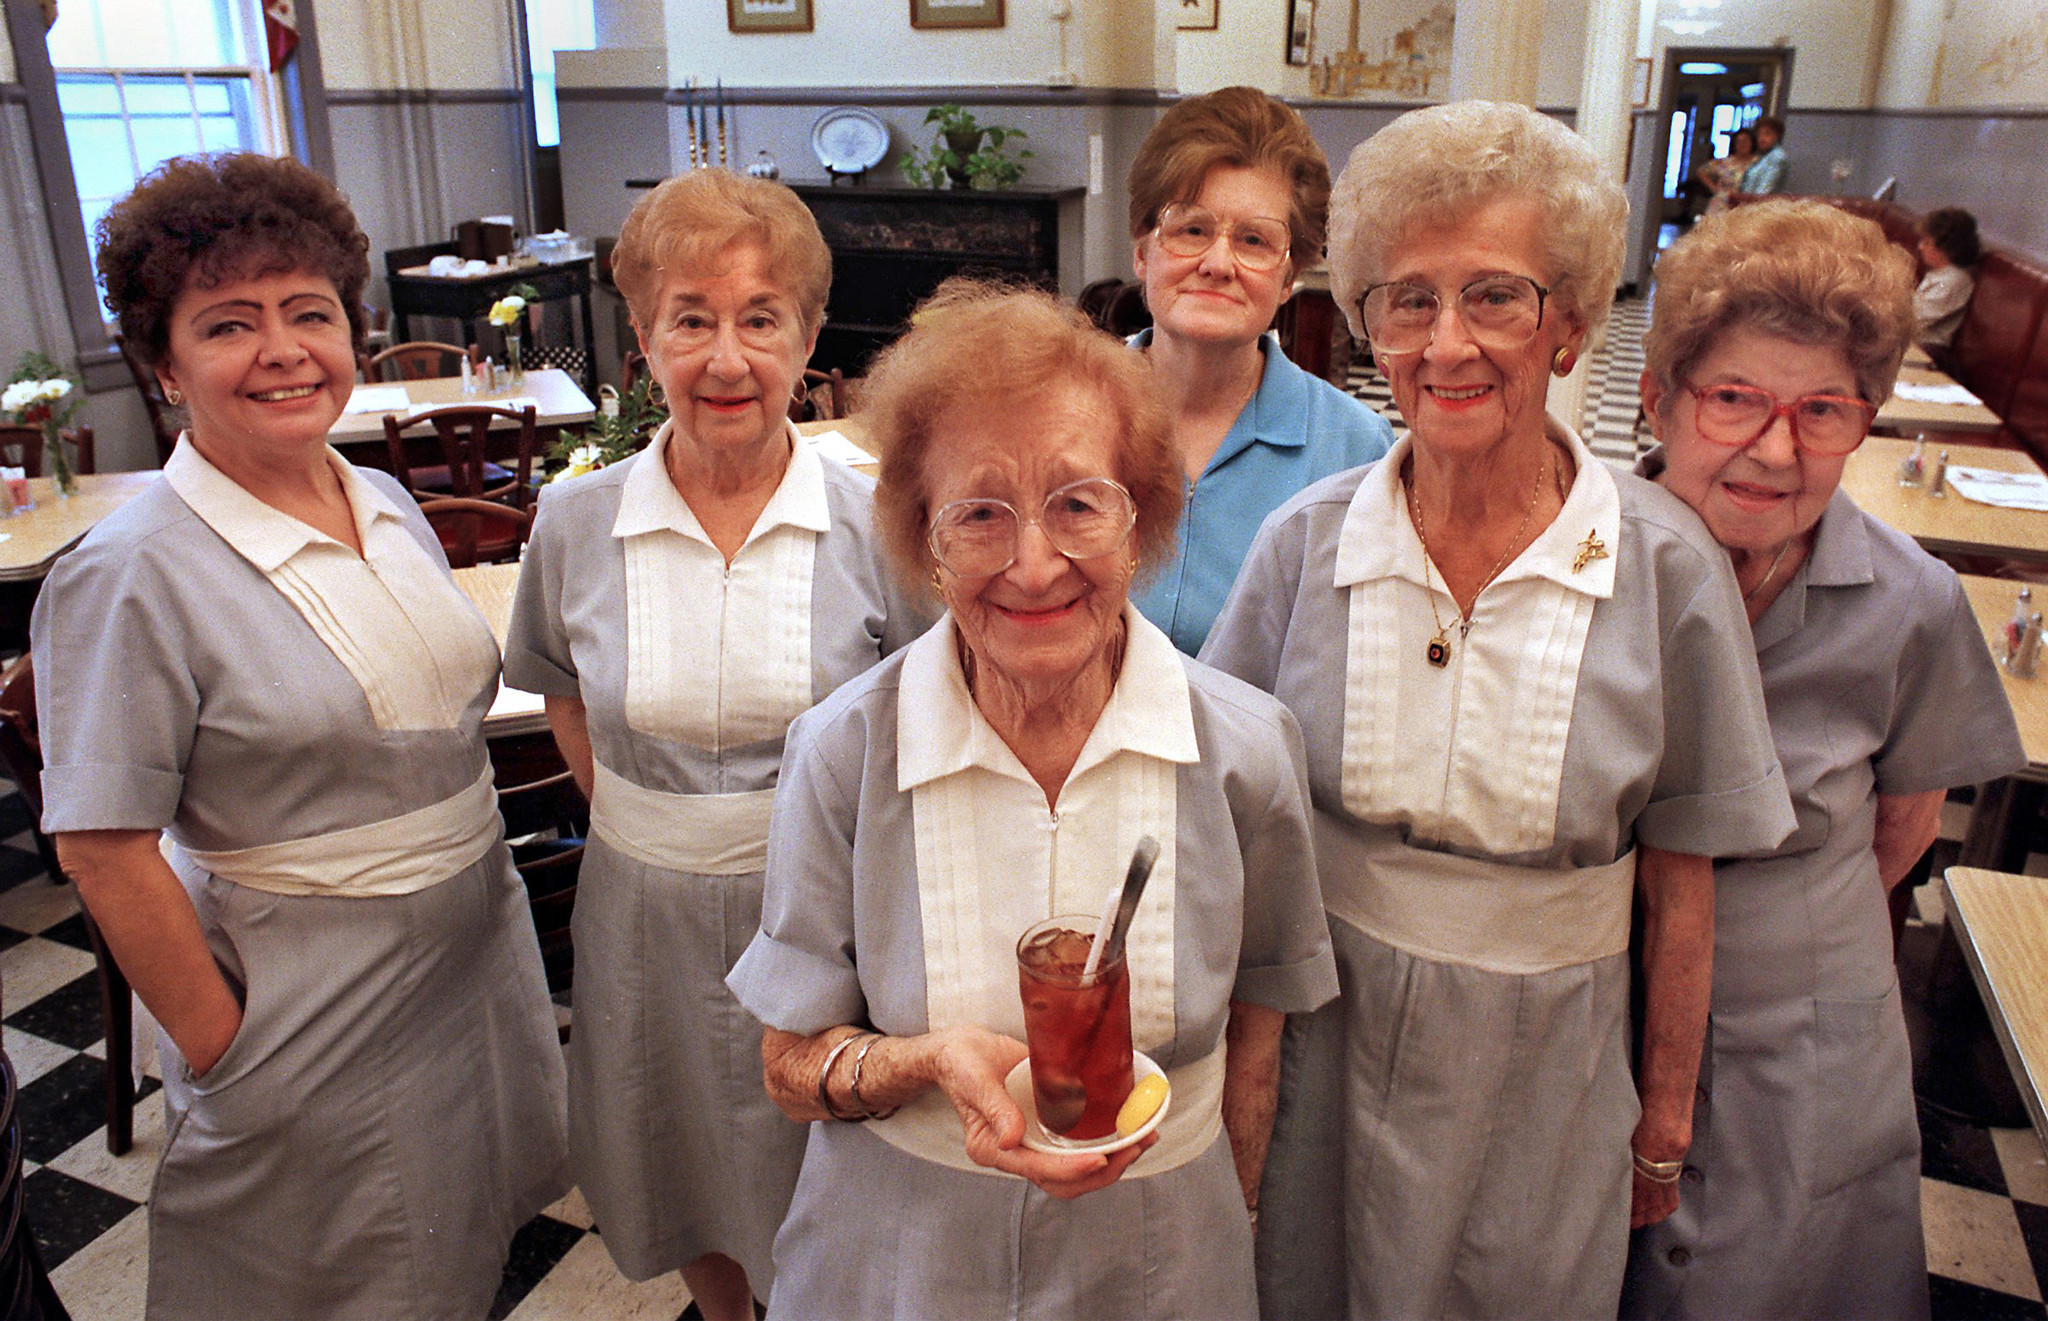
{"x":768,"y":15}
{"x":956,"y":13}
{"x":1197,"y":15}
{"x":1301,"y":26}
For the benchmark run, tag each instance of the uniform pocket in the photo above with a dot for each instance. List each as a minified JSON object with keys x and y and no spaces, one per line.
{"x":1861,"y":1065}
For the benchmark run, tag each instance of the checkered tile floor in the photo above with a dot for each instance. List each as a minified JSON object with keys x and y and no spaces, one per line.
{"x":1612,"y":373}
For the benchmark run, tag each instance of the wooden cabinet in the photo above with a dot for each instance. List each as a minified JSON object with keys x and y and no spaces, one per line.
{"x":892,"y":246}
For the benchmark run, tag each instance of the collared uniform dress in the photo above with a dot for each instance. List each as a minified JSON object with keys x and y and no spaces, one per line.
{"x":909,"y":852}
{"x":690,"y":672}
{"x":1475,"y":830}
{"x":1802,"y":1190}
{"x":1295,"y":429}
{"x":306,"y":726}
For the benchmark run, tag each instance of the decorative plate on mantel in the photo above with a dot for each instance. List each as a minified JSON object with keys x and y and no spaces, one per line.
{"x":849,"y":140}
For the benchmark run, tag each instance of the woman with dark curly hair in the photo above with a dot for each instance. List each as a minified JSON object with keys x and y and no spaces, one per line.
{"x":262,"y":700}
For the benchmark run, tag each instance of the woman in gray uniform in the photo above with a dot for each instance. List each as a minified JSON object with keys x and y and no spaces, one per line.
{"x":678,"y":610}
{"x":263,"y":658}
{"x":1779,"y":329}
{"x":996,"y":772}
{"x":1527,"y":703}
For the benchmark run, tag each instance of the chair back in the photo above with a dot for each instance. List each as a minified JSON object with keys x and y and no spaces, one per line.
{"x":478,"y":531}
{"x":630,"y":370}
{"x":415,"y":360}
{"x":547,"y":822}
{"x":21,"y":446}
{"x":824,"y":398}
{"x":467,"y":444}
{"x":163,"y":418}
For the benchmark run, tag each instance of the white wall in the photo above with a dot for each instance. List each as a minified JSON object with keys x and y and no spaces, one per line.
{"x":1837,"y":42}
{"x":447,"y":45}
{"x":6,"y":56}
{"x":1994,"y":53}
{"x":630,"y":23}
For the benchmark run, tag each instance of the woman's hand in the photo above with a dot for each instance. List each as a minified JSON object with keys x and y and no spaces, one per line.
{"x":970,"y":1066}
{"x":1678,"y":975}
{"x":1650,"y":1201}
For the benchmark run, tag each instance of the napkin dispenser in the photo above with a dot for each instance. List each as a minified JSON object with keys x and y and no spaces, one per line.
{"x":483,"y":240}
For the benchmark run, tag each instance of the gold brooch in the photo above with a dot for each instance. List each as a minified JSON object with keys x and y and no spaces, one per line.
{"x":1592,"y":548}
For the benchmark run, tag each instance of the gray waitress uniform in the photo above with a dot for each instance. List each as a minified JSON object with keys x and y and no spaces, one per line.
{"x":1802,"y":1196}
{"x":673,"y":1139}
{"x":391,"y":1110}
{"x":1485,"y":1165}
{"x":877,"y":1231}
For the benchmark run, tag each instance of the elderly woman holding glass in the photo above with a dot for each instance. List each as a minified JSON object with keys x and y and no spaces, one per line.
{"x":997,"y":771}
{"x":1229,"y":194}
{"x":1527,"y":705}
{"x":1779,"y":329}
{"x":262,"y":701}
{"x":678,"y":610}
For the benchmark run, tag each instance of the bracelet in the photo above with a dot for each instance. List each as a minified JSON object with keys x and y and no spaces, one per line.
{"x":824,"y":1096}
{"x":1657,"y":1171}
{"x":861,"y":1057}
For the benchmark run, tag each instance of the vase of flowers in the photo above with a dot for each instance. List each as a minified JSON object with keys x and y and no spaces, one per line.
{"x":35,"y":396}
{"x":509,"y":315}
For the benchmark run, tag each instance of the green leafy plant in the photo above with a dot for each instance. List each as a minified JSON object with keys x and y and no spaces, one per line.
{"x":614,"y":434}
{"x":965,"y":153}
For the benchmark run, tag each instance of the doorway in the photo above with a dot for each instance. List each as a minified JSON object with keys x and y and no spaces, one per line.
{"x":1709,"y":92}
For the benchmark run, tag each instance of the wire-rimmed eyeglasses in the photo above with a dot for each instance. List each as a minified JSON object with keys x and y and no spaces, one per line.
{"x":1083,"y":520}
{"x":1498,"y":312}
{"x":1187,"y":230}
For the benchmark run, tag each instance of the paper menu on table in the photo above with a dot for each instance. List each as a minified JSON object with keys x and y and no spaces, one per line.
{"x":378,"y":399}
{"x":835,"y":445}
{"x":2006,"y":490}
{"x":1948,"y":392}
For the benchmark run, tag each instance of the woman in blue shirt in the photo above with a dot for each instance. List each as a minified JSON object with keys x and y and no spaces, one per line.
{"x":1252,"y":428}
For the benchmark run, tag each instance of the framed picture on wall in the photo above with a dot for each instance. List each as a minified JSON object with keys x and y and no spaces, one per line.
{"x":1301,"y":26}
{"x":768,"y":15}
{"x":1197,"y":15}
{"x":956,"y":13}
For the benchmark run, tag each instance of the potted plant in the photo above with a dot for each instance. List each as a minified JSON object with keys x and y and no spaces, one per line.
{"x":964,"y":153}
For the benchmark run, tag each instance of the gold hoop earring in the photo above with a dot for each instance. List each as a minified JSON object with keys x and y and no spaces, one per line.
{"x":938,"y":588}
{"x":1562,"y":362}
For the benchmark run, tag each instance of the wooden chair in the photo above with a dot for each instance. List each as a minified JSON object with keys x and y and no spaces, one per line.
{"x":478,"y":531}
{"x":417,"y":360}
{"x":546,"y":822}
{"x":824,"y":398}
{"x":21,"y":446}
{"x":21,"y":749}
{"x":163,"y":418}
{"x":630,"y":369}
{"x":463,"y":431}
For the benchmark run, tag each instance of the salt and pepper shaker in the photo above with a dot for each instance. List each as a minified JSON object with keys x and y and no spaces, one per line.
{"x":2022,"y":662}
{"x":468,"y":377}
{"x":1914,"y":466}
{"x":2016,"y":627}
{"x":1937,"y":476}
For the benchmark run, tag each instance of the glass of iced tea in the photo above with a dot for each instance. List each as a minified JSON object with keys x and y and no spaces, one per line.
{"x":1078,"y":1028}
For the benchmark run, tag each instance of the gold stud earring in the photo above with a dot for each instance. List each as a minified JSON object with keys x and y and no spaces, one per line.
{"x":174,"y":397}
{"x":1562,"y":362}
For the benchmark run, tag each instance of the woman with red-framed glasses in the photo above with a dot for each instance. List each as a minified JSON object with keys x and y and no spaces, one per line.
{"x":1778,"y":329}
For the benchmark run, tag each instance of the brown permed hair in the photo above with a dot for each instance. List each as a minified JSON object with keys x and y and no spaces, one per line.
{"x":688,"y":222}
{"x":979,"y":347}
{"x":1239,"y":126}
{"x":1799,"y":270}
{"x":200,"y":221}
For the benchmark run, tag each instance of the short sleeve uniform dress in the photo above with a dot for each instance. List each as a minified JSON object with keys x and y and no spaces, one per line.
{"x":1295,"y":430}
{"x":909,"y":851}
{"x":690,"y":672}
{"x":1803,"y":1194}
{"x":305,"y":725}
{"x":1475,"y":827}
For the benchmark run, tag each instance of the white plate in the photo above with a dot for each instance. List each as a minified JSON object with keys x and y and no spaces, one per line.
{"x":848,"y":140}
{"x":1037,"y":1139}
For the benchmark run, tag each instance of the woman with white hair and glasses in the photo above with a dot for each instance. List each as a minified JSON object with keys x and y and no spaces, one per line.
{"x":1523,"y":684}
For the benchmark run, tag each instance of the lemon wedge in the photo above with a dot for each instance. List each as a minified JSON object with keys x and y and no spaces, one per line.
{"x":1140,"y":1105}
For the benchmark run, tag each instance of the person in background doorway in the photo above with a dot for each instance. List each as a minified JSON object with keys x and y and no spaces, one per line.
{"x":1767,"y":175}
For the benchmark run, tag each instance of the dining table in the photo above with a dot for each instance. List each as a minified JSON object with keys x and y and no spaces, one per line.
{"x":1945,"y":522}
{"x":490,"y":588}
{"x":2000,"y":924}
{"x":1901,"y":415}
{"x":32,"y":539}
{"x":556,"y":398}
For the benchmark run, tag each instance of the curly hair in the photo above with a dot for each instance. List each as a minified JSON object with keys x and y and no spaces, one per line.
{"x":977,"y":347}
{"x":1799,"y":270}
{"x":1954,"y":231}
{"x":200,"y":221}
{"x":689,"y":221}
{"x":1434,"y":165}
{"x":1239,"y":126}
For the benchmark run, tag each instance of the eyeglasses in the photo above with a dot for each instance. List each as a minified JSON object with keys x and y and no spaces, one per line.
{"x":1498,"y":312}
{"x":1736,"y":415}
{"x":1257,"y":244}
{"x":1082,"y":520}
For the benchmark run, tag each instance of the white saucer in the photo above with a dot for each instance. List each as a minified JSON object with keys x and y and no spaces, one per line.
{"x":1037,"y":1139}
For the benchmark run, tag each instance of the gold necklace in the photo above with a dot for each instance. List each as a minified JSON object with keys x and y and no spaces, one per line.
{"x":1769,"y":573}
{"x":1438,"y":652}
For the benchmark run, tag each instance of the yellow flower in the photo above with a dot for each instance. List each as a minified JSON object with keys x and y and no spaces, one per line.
{"x":506,"y":310}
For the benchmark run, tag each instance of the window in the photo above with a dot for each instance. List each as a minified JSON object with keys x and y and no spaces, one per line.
{"x":553,"y":25}
{"x":138,"y":83}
